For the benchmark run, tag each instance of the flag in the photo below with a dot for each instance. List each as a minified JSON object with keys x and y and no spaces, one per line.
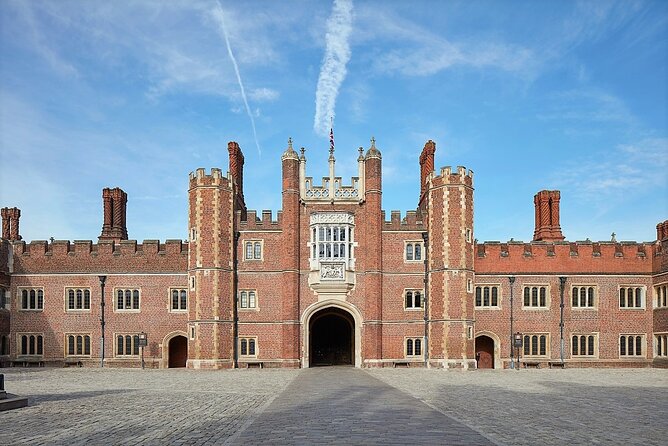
{"x":331,"y":139}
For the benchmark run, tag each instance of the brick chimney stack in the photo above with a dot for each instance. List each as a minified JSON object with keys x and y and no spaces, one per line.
{"x":237,"y":172}
{"x":10,"y":223}
{"x":662,"y":231}
{"x":547,"y":216}
{"x":426,"y":165}
{"x":115,"y":204}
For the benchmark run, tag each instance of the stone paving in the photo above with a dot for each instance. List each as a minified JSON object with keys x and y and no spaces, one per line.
{"x":337,"y":405}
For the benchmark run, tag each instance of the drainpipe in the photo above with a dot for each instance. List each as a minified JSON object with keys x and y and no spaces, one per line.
{"x":102,"y":280}
{"x":235,"y":312}
{"x":562,"y":286}
{"x":425,"y":349}
{"x":511,"y":279}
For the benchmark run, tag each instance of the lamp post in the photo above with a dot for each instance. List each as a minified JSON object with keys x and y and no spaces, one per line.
{"x":425,"y":237}
{"x":562,"y":286}
{"x":511,"y":279}
{"x":103,"y":279}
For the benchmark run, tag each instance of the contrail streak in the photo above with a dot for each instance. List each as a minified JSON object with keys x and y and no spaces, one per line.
{"x":218,"y":15}
{"x":333,"y":68}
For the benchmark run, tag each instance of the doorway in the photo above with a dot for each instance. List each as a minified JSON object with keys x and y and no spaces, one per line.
{"x":331,"y":338}
{"x":484,"y":352}
{"x":178,"y":351}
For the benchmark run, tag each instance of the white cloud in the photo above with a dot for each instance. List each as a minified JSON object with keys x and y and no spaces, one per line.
{"x":333,"y":69}
{"x":263,"y":94}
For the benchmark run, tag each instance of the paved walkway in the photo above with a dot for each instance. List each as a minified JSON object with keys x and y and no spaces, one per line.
{"x":343,"y":405}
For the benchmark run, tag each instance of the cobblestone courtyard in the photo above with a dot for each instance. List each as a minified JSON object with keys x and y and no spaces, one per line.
{"x":337,"y":406}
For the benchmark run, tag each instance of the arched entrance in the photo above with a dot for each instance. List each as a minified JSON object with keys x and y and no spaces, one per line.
{"x":331,"y":338}
{"x":178,"y":351}
{"x":484,"y":352}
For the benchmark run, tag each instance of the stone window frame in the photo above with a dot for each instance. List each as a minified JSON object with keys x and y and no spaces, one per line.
{"x":468,"y":235}
{"x":643,"y":345}
{"x":661,"y":295}
{"x":66,"y":349}
{"x":75,"y":288}
{"x":413,"y":340}
{"x":499,"y":295}
{"x":413,"y":244}
{"x":661,"y":345}
{"x":134,"y":345}
{"x":19,"y":346}
{"x":635,"y":287}
{"x":170,"y":299}
{"x":548,"y":296}
{"x":126,"y":310}
{"x":240,"y":300}
{"x":253,"y":243}
{"x":586,"y":286}
{"x":530,"y":347}
{"x":247,"y":339}
{"x":19,"y":297}
{"x":193,"y":332}
{"x":413,"y":290}
{"x":595,"y":347}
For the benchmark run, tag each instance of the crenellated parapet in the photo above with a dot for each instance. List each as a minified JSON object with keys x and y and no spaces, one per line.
{"x":199,"y":178}
{"x":412,"y":221}
{"x":253,"y":222}
{"x":84,"y":256}
{"x":563,"y":257}
{"x":448,"y":175}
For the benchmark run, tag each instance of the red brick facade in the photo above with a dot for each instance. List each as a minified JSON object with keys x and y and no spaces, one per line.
{"x":251,"y":290}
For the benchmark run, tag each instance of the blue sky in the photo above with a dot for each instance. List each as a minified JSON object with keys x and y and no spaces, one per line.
{"x":530,"y":95}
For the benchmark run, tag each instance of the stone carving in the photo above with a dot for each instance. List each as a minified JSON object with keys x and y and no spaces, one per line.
{"x":333,"y":217}
{"x":331,"y":271}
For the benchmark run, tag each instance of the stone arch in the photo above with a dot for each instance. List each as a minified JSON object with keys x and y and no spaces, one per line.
{"x":497,"y":364}
{"x":325,"y":304}
{"x":165,"y":346}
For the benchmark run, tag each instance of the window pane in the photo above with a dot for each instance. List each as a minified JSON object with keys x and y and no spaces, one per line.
{"x":418,"y":299}
{"x":244,"y":299}
{"x":119,"y":305}
{"x":629,"y":345}
{"x":574,"y":348}
{"x":40,"y":345}
{"x":87,"y":299}
{"x":574,"y":299}
{"x":24,"y":299}
{"x":590,"y":345}
{"x":526,"y":345}
{"x":543,"y":300}
{"x":32,"y":345}
{"x":638,"y":298}
{"x":495,"y":296}
{"x":128,"y":299}
{"x":583,"y":297}
{"x":244,"y":347}
{"x":70,"y":299}
{"x":175,"y":300}
{"x":583,"y":345}
{"x":409,"y":251}
{"x":24,"y":345}
{"x":251,"y":347}
{"x":79,"y":345}
{"x":622,"y":297}
{"x":534,"y":345}
{"x":32,"y":299}
{"x":526,"y":296}
{"x":418,"y":347}
{"x":485,"y":298}
{"x":534,"y":297}
{"x":409,"y":299}
{"x":258,"y":250}
{"x":135,"y":345}
{"x":638,"y":345}
{"x":543,"y":347}
{"x":70,"y":345}
{"x":478,"y":296}
{"x":409,"y":347}
{"x":128,"y":345}
{"x":119,"y":345}
{"x":622,"y":345}
{"x":86,"y":345}
{"x":418,"y":251}
{"x":184,"y":300}
{"x":79,"y":299}
{"x":590,"y":297}
{"x":251,"y":299}
{"x":135,"y":300}
{"x":249,"y":250}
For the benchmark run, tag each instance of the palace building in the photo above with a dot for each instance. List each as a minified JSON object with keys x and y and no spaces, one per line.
{"x":332,"y":280}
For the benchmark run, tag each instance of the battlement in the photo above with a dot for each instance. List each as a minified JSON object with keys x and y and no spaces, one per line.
{"x":552,"y":257}
{"x":253,"y":222}
{"x":411,"y":222}
{"x":448,"y":176}
{"x":106,"y":255}
{"x":216,"y":178}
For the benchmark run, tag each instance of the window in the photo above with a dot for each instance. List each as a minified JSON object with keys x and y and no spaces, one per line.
{"x":178,"y":299}
{"x":631,"y":345}
{"x":192,"y":282}
{"x":247,"y":346}
{"x":77,"y":299}
{"x":469,"y":235}
{"x":487,"y":296}
{"x":193,"y":234}
{"x":332,"y":240}
{"x":127,"y":345}
{"x":3,"y":298}
{"x":247,"y":299}
{"x":584,"y":345}
{"x":127,"y":299}
{"x":413,"y":299}
{"x":78,"y":345}
{"x":4,"y":345}
{"x":536,"y":296}
{"x":413,"y":251}
{"x":413,"y":347}
{"x":661,"y":293}
{"x":536,"y":344}
{"x":31,"y":344}
{"x":253,"y":250}
{"x":469,"y":285}
{"x":583,"y":297}
{"x":661,"y":345}
{"x":32,"y":299}
{"x":192,"y":333}
{"x":631,"y":297}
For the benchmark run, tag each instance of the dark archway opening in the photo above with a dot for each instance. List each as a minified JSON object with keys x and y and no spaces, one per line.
{"x":178,"y":351}
{"x":484,"y":352}
{"x":331,"y":338}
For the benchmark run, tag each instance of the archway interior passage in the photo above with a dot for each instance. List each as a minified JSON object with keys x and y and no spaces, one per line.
{"x":178,"y":351}
{"x":332,"y":339}
{"x":484,"y":352}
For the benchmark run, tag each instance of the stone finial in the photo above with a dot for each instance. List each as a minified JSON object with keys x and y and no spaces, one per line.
{"x":290,"y":152}
{"x":302,"y":157}
{"x":613,"y":237}
{"x":361,"y":151}
{"x":373,"y":151}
